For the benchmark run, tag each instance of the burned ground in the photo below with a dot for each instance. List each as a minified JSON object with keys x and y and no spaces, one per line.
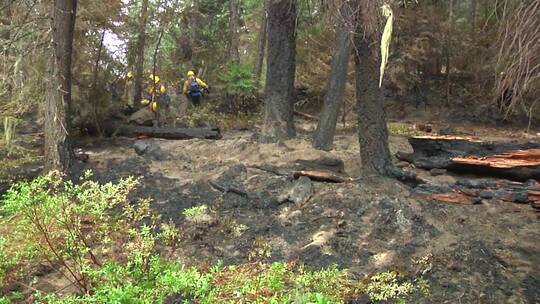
{"x":482,"y":253}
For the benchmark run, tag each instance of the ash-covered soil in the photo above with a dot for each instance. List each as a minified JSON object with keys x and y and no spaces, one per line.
{"x":484,"y":253}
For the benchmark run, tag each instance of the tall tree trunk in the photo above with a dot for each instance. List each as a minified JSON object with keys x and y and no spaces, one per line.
{"x":372,"y":128}
{"x":261,"y":44}
{"x":141,"y":43}
{"x":448,"y":50}
{"x":5,"y":35}
{"x":234,"y":55}
{"x":94,"y":92}
{"x":278,"y":122}
{"x":335,"y":87}
{"x":58,"y":151}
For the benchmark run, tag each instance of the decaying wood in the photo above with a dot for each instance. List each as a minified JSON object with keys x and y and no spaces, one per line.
{"x":314,"y":175}
{"x":306,"y":115}
{"x":470,"y":191}
{"x":169,"y":133}
{"x":322,"y":176}
{"x":511,"y":160}
{"x":454,"y":198}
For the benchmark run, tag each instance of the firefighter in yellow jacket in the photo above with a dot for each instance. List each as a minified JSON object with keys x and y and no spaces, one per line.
{"x":193,"y":88}
{"x":154,"y":92}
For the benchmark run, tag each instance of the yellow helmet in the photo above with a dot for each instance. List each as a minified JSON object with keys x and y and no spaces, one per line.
{"x":162,"y":90}
{"x":130,"y":74}
{"x":154,"y":106}
{"x":190,"y":73}
{"x":145,"y":102}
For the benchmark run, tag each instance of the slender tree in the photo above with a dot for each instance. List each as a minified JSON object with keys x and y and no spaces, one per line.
{"x":58,"y":151}
{"x":278,"y":122}
{"x":234,"y":55}
{"x":335,"y":87}
{"x":261,"y":44}
{"x":372,"y":128}
{"x":141,"y":43}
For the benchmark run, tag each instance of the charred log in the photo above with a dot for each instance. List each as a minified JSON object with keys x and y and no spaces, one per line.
{"x":512,"y":160}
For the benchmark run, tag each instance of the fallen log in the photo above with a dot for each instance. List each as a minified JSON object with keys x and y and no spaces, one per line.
{"x":512,"y":160}
{"x":169,"y":133}
{"x":322,"y":176}
{"x":306,"y":115}
{"x":519,"y":158}
{"x":471,"y":191}
{"x":314,"y":175}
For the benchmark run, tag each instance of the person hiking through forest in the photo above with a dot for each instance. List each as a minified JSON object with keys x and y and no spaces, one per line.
{"x":155,"y":96}
{"x":127,"y":97}
{"x":193,"y":88}
{"x":154,"y":92}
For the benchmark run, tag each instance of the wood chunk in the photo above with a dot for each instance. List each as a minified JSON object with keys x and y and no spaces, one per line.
{"x":455,"y":198}
{"x":508,"y":160}
{"x":322,"y":176}
{"x":306,"y":115}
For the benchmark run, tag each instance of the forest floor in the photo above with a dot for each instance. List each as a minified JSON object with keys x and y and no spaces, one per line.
{"x":483,"y":253}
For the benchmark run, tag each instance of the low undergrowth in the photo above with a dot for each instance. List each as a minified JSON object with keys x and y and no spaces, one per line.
{"x":204,"y":116}
{"x":115,"y":250}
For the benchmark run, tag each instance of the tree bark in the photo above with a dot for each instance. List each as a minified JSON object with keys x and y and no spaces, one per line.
{"x":278,"y":122}
{"x":448,"y":50}
{"x":5,"y":35}
{"x":234,"y":55}
{"x":335,"y":88}
{"x":372,"y":128}
{"x":141,"y":42}
{"x":58,"y":151}
{"x":261,"y":44}
{"x":94,"y":92}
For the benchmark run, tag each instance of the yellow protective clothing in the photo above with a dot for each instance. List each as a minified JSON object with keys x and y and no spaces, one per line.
{"x":188,"y":81}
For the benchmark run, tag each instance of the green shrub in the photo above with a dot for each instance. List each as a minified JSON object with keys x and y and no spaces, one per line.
{"x":238,"y":79}
{"x":195,"y":211}
{"x":77,"y":225}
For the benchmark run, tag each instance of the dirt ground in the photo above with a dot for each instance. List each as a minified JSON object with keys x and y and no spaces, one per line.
{"x":484,"y":253}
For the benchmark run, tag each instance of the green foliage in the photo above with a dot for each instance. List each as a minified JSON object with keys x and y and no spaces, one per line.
{"x":386,"y":286}
{"x":400,"y":129}
{"x":205,"y":116}
{"x":238,"y":79}
{"x":75,"y":225}
{"x":195,"y":211}
{"x":79,"y":225}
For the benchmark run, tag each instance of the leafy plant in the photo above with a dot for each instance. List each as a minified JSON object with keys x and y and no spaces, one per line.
{"x":76,"y":225}
{"x":238,"y":79}
{"x":195,"y":211}
{"x":386,"y":286}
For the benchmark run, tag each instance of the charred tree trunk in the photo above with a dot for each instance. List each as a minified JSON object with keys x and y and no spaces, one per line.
{"x":372,"y":128}
{"x":58,"y":151}
{"x":335,"y":88}
{"x":234,"y":55}
{"x":278,"y":122}
{"x":141,"y":42}
{"x":261,"y":44}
